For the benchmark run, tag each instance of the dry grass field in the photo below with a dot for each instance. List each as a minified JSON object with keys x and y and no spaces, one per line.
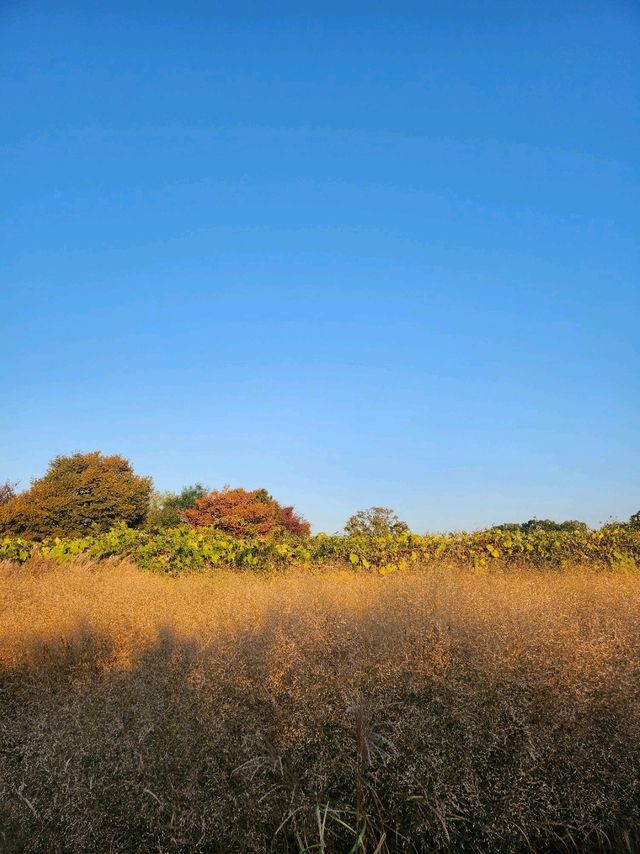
{"x":433,"y":709}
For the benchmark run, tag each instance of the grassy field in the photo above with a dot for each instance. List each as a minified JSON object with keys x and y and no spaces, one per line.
{"x":432,"y":709}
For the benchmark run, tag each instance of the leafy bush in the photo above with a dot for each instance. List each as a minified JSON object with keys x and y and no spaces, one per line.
{"x":166,"y":508}
{"x":243,"y":513}
{"x":182,"y":549}
{"x":78,"y":494}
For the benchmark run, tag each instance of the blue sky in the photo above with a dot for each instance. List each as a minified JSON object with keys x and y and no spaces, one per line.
{"x":378,"y":253}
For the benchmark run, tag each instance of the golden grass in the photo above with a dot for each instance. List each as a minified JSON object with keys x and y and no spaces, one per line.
{"x":427,"y":710}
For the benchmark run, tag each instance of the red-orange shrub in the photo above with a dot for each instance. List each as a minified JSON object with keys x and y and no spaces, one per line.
{"x":245,"y":513}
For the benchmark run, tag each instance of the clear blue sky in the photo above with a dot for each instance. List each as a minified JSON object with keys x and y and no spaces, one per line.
{"x":378,"y":253}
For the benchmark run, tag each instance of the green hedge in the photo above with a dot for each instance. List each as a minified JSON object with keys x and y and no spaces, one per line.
{"x":176,"y":550}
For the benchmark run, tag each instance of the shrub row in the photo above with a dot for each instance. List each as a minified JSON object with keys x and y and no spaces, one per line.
{"x":176,"y":550}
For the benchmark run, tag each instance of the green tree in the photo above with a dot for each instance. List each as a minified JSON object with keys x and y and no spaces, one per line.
{"x":634,"y":521}
{"x":550,"y":525}
{"x":78,"y":494}
{"x":376,"y":521}
{"x":542,"y":525}
{"x":166,"y":508}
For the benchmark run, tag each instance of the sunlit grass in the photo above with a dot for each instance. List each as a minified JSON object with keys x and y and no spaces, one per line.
{"x":432,"y":709}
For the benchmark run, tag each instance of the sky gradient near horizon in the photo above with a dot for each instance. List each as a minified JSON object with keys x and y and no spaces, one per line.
{"x":358,"y":254}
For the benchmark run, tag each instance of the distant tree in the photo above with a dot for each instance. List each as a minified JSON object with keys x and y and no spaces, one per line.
{"x":166,"y":508}
{"x":7,"y":491}
{"x":375,"y":521}
{"x":542,"y":525}
{"x":634,"y":521}
{"x":78,"y":494}
{"x":550,"y":525}
{"x":245,"y":513}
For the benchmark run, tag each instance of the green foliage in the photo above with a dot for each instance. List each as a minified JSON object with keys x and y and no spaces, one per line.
{"x":634,"y":521}
{"x":375,"y":522}
{"x":166,"y":508}
{"x":77,"y":495}
{"x":182,"y":549}
{"x":550,"y":525}
{"x":543,"y":525}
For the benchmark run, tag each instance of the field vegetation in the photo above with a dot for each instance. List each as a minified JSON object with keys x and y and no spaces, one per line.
{"x":197,"y":672}
{"x":187,"y":549}
{"x":435,"y":708}
{"x":95,"y":505}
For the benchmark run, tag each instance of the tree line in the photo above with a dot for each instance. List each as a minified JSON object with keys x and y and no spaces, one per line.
{"x":91,"y":493}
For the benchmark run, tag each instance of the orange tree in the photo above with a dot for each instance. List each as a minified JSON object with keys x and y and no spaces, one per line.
{"x":78,"y":494}
{"x":245,"y":513}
